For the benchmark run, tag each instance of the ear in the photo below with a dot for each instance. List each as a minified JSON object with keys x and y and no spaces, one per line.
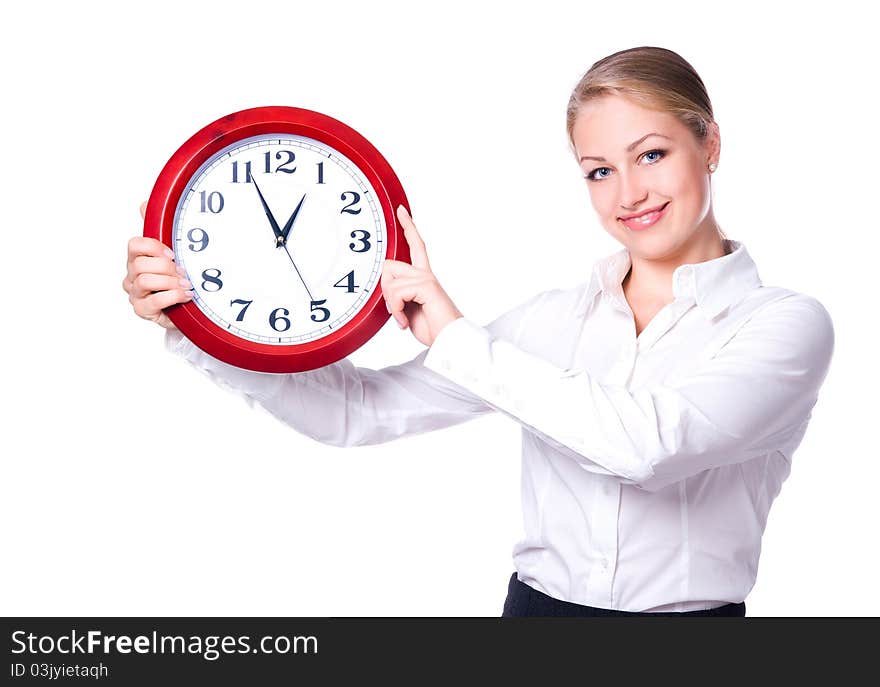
{"x":713,"y":143}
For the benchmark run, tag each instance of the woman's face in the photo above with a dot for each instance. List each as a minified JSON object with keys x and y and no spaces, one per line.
{"x":655,"y":172}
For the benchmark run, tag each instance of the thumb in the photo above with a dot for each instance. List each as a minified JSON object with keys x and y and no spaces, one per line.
{"x":143,"y":209}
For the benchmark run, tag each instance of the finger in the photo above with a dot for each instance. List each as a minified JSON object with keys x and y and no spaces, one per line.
{"x":388,"y":280}
{"x":143,"y":209}
{"x":403,"y":291}
{"x":385,"y":281}
{"x":152,"y":306}
{"x":145,"y":264}
{"x":416,"y":246}
{"x":398,"y":268}
{"x":144,"y":245}
{"x":145,"y":284}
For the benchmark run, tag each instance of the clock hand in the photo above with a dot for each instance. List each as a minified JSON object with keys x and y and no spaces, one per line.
{"x":284,"y":245}
{"x":279,"y":237}
{"x":287,"y":227}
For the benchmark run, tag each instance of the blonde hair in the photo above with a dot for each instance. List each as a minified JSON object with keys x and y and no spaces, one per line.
{"x":655,"y":78}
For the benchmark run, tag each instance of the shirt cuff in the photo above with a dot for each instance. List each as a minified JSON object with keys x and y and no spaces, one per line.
{"x":457,"y":354}
{"x":177,"y":343}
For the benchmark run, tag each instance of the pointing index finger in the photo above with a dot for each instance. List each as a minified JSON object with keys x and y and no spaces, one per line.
{"x":416,"y":246}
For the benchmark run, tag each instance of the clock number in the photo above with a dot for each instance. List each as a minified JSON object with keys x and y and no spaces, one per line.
{"x":349,"y":285}
{"x":213,"y":279}
{"x":246,"y":304}
{"x":247,"y":172}
{"x":357,"y":199}
{"x":320,"y":172}
{"x":283,"y":166}
{"x":211,"y":203}
{"x":365,"y":240}
{"x":202,"y":241}
{"x":273,"y":319}
{"x":315,"y":306}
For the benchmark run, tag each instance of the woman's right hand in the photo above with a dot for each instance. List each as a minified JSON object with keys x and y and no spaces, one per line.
{"x":152,"y":280}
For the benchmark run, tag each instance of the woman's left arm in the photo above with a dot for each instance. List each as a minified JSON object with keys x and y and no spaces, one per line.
{"x":753,"y":397}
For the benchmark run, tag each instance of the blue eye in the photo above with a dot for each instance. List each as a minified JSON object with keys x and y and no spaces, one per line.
{"x":591,"y":176}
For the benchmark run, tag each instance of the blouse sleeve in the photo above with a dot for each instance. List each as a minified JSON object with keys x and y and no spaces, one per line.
{"x":345,"y":405}
{"x":754,"y":396}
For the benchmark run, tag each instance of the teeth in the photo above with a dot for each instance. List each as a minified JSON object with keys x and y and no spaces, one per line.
{"x":645,"y":219}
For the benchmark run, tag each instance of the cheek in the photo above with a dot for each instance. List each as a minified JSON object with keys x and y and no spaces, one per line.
{"x":603,"y":198}
{"x":692,"y":197}
{"x":685,"y":185}
{"x":675,"y":181}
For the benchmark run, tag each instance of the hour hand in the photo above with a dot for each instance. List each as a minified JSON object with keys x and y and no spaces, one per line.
{"x":279,"y":237}
{"x":287,"y":227}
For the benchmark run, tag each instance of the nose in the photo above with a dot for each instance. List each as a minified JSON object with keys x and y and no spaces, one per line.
{"x":632,"y":193}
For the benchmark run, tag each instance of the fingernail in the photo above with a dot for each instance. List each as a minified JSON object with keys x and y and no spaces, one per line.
{"x":401,"y":324}
{"x":181,"y":271}
{"x":169,"y":252}
{"x":186,"y":283}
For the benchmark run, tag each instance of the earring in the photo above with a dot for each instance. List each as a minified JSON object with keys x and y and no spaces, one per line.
{"x":713,"y":167}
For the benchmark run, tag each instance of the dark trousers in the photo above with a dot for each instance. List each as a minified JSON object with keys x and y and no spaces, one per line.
{"x":522,"y":600}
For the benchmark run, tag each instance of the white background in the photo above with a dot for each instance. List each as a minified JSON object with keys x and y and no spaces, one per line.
{"x":132,"y":485}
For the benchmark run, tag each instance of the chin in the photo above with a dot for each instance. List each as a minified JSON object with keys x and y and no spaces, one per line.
{"x":653,"y":246}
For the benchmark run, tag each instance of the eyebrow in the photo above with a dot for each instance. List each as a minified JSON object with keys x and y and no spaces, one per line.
{"x":629,"y":148}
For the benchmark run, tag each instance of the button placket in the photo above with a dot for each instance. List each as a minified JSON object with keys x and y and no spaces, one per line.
{"x":606,"y":507}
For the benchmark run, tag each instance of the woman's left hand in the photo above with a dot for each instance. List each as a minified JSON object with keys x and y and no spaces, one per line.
{"x":412,"y":293}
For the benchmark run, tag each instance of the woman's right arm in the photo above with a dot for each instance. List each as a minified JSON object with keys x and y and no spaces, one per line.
{"x":339,"y":404}
{"x":343,"y":405}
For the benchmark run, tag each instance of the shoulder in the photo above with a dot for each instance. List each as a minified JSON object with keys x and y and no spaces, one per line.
{"x":789,"y":307}
{"x":787,"y":325}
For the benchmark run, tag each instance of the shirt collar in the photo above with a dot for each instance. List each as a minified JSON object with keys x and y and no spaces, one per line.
{"x":713,"y":284}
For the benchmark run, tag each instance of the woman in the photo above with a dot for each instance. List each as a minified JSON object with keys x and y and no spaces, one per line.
{"x":661,"y":400}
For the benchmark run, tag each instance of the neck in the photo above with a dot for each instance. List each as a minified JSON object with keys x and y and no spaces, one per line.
{"x":650,"y":280}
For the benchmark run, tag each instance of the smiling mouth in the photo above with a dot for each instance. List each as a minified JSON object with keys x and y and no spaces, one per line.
{"x":646,"y":219}
{"x":659,"y":208}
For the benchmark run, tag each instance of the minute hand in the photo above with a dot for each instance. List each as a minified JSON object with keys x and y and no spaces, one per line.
{"x":279,"y":237}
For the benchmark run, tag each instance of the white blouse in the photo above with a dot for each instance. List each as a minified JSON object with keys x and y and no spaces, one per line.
{"x":649,"y":463}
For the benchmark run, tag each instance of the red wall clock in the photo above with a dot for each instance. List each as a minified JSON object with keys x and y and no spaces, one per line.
{"x":282,"y":218}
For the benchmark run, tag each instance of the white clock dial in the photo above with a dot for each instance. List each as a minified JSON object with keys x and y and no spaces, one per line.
{"x":249,"y":276}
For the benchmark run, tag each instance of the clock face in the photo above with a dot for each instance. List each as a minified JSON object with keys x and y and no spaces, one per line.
{"x":283,"y":238}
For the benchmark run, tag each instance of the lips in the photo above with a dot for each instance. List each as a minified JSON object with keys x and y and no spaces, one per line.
{"x":646,"y":212}
{"x":646,"y":219}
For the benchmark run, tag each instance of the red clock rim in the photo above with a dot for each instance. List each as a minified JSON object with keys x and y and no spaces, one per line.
{"x":178,"y":173}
